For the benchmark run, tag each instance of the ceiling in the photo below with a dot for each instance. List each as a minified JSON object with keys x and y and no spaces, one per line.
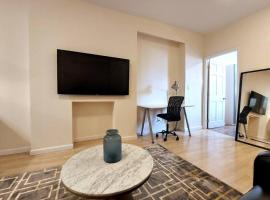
{"x":202,"y":16}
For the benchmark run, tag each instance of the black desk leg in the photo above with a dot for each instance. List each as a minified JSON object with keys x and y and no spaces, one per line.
{"x":150,"y":125}
{"x":144,"y":114}
{"x":186,"y":120}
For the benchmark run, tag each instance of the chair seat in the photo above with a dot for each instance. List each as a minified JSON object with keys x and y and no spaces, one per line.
{"x":242,"y":119}
{"x":168,"y":117}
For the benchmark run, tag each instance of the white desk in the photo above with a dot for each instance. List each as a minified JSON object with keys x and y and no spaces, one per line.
{"x":148,"y":107}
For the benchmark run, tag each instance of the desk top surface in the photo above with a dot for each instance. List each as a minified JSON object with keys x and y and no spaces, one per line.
{"x":153,"y":105}
{"x":156,"y":106}
{"x":87,"y":174}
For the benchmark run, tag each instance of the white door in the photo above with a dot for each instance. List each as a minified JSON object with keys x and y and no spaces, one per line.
{"x":217,"y":84}
{"x":230,"y":106}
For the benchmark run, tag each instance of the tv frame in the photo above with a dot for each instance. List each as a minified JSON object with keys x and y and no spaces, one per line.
{"x":258,"y":94}
{"x":92,"y":94}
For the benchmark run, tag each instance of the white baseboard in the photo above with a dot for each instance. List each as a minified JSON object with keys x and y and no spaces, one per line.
{"x":95,"y":137}
{"x":86,"y":138}
{"x":24,"y":149}
{"x":131,"y":137}
{"x":195,"y":128}
{"x":70,"y":146}
{"x":51,"y":149}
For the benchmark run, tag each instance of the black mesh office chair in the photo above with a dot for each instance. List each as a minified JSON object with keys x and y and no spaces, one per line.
{"x":243,"y":119}
{"x":172,"y":115}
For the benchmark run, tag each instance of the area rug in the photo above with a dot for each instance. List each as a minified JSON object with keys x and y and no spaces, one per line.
{"x":173,"y":178}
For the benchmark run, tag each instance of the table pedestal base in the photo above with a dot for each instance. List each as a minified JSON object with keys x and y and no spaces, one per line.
{"x":127,"y":196}
{"x":124,"y":197}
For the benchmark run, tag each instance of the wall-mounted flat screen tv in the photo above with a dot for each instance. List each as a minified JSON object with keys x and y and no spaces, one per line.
{"x":258,"y":103}
{"x":89,"y":74}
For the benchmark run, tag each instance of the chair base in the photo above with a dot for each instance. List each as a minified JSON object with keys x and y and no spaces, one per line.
{"x":167,"y":132}
{"x":241,"y":135}
{"x":245,"y":134}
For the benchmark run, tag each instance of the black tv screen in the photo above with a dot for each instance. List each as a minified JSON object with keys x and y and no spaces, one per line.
{"x":89,"y":74}
{"x":258,"y":103}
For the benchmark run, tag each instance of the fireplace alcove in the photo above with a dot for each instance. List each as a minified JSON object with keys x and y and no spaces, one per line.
{"x":90,"y":120}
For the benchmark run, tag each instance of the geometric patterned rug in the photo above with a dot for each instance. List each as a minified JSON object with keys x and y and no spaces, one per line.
{"x":173,"y":178}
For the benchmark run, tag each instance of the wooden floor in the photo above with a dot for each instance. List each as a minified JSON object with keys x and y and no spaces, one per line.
{"x":218,"y":154}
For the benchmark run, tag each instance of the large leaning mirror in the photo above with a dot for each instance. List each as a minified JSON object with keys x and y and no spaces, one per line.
{"x":253,"y":119}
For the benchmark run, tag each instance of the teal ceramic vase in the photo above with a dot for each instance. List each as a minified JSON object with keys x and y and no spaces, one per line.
{"x":112,"y":146}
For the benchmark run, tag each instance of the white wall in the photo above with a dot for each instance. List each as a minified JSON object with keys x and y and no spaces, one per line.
{"x":153,"y":70}
{"x":231,"y":102}
{"x":80,"y":26}
{"x":250,"y":36}
{"x":14,"y":77}
{"x":193,"y":89}
{"x":160,"y":63}
{"x":91,"y":119}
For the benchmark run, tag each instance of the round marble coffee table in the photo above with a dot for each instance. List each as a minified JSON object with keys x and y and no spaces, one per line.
{"x":87,"y":175}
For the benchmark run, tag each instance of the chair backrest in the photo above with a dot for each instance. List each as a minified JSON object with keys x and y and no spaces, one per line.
{"x":243,"y":115}
{"x":174,"y":106}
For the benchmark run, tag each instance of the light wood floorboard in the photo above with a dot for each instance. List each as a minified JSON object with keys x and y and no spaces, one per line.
{"x":215,"y":153}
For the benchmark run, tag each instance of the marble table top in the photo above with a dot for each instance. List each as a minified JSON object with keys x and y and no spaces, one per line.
{"x":87,"y":174}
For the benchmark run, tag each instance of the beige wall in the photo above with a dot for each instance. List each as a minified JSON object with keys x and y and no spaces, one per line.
{"x":250,"y":36}
{"x":80,"y":26}
{"x":91,"y":119}
{"x":14,"y":77}
{"x":160,"y":63}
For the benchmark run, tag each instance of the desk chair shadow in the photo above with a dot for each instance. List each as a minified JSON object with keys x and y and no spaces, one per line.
{"x":172,"y":115}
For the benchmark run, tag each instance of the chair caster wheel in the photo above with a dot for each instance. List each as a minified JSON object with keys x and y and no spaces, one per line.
{"x":177,"y":138}
{"x":156,"y":135}
{"x":165,"y":139}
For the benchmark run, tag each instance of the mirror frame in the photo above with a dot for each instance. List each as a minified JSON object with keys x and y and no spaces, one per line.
{"x":238,"y":108}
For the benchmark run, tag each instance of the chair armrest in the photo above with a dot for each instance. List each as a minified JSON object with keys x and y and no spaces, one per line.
{"x":262,"y":170}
